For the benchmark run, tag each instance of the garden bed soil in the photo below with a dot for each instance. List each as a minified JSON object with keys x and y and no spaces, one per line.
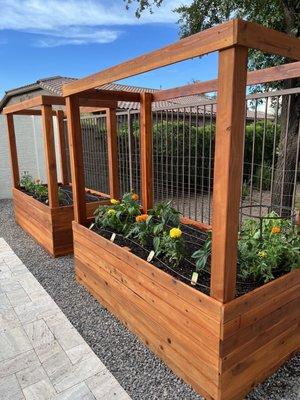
{"x":67,"y":189}
{"x":194,"y":238}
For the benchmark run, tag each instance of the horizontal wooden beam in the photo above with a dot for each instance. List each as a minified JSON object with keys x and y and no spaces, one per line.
{"x":278,"y":73}
{"x":213,"y":39}
{"x":234,"y":32}
{"x":96,"y":103}
{"x":31,"y":111}
{"x":256,"y":36}
{"x":53,"y":101}
{"x":34,"y":102}
{"x":116,"y":95}
{"x":23,"y":105}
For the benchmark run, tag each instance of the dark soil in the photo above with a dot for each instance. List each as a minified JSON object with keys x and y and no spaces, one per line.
{"x":68,"y":200}
{"x":193,"y":238}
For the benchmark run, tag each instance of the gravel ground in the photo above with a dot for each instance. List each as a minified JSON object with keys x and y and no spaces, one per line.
{"x":143,"y":375}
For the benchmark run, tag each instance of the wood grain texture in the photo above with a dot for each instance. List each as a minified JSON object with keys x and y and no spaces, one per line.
{"x":13,"y":150}
{"x":266,"y":75}
{"x":50,"y":227}
{"x":169,"y":325}
{"x":193,"y":333}
{"x":50,"y":158}
{"x":228,"y":163}
{"x":146,"y":150}
{"x":256,"y":36}
{"x":76,"y":158}
{"x":112,"y":148}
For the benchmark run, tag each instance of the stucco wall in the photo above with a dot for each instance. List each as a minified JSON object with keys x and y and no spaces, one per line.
{"x":30,"y":151}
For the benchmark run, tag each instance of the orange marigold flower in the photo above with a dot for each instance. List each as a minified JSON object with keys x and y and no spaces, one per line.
{"x":141,"y":218}
{"x":135,"y":197}
{"x":276,"y":229}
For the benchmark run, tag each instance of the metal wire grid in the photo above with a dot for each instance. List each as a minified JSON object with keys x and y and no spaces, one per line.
{"x":183,"y":155}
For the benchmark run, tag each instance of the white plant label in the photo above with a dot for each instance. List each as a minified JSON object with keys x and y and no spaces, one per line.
{"x":150,"y":256}
{"x":112,"y":238}
{"x":92,"y":225}
{"x":194,"y":278}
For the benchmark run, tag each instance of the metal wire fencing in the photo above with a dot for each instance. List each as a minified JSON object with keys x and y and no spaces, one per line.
{"x":183,"y":155}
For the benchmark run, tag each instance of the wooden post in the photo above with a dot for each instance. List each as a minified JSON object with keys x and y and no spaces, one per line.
{"x":76,"y":158}
{"x":49,"y":146}
{"x":112,"y":146}
{"x":146,"y":151}
{"x":13,"y":150}
{"x":228,"y":170}
{"x":62,"y":147}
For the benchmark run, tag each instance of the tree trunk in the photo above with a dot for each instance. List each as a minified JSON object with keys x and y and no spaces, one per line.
{"x":287,"y":162}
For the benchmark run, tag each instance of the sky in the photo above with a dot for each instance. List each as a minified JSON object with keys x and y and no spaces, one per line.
{"x":75,"y":38}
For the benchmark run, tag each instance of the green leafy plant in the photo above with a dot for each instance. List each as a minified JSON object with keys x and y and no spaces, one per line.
{"x":202,"y":255}
{"x":266,"y":247}
{"x":142,"y":229}
{"x":119,"y":215}
{"x":38,"y":190}
{"x":164,"y":217}
{"x":170,"y":245}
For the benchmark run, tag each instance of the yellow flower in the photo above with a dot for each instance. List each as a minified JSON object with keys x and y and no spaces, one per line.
{"x":141,"y":218}
{"x":262,"y":254}
{"x":111,"y":211}
{"x":276,"y":229}
{"x":175,"y":233}
{"x":135,"y":197}
{"x":114,"y":201}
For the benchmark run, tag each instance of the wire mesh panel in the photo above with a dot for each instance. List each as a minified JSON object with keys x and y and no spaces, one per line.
{"x":183,"y":155}
{"x":95,"y":158}
{"x":183,"y":159}
{"x":271,"y":155}
{"x":128,"y":125}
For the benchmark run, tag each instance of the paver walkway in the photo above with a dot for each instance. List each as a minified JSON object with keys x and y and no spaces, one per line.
{"x":42,"y":356}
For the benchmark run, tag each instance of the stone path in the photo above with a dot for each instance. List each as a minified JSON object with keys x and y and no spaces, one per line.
{"x":42,"y":356}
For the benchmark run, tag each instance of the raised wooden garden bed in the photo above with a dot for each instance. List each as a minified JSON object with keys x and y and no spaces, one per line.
{"x":221,"y":350}
{"x":50,"y":227}
{"x":221,"y":345}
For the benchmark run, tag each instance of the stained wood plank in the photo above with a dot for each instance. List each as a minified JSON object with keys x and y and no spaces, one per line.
{"x":112,"y":147}
{"x":50,"y":159}
{"x":13,"y":150}
{"x":130,"y":322}
{"x":200,"y":326}
{"x":256,"y":36}
{"x":266,"y":75}
{"x":260,"y":296}
{"x":23,"y":105}
{"x":124,"y":303}
{"x":200,"y":300}
{"x":212,"y":39}
{"x":228,"y":165}
{"x":76,"y":158}
{"x":146,"y":150}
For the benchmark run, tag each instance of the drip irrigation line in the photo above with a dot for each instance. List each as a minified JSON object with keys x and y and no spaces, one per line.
{"x":159,"y":260}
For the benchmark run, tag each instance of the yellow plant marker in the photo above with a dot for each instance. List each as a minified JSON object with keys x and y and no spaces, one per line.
{"x":194,"y":278}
